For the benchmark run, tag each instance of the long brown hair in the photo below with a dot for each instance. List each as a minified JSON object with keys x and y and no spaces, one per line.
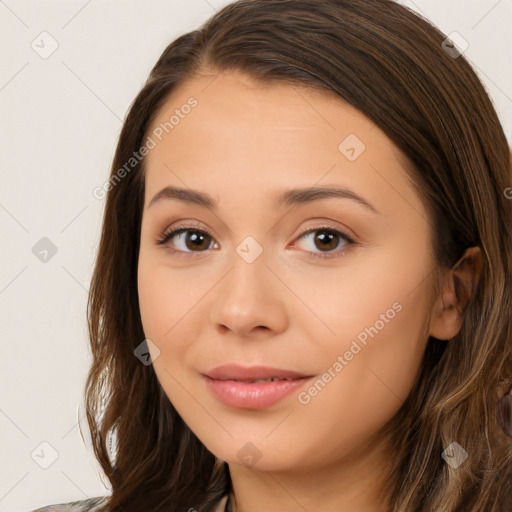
{"x":391,"y":65}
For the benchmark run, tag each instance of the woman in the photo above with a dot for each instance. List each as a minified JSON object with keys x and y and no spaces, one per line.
{"x":302,"y":294}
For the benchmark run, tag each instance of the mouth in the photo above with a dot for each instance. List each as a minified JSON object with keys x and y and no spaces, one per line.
{"x":256,"y":387}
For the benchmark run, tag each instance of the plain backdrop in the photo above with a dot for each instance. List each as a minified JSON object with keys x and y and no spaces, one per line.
{"x":68,"y":73}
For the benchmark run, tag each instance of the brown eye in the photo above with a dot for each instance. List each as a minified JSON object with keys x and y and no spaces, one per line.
{"x":187,"y":240}
{"x":323,"y":242}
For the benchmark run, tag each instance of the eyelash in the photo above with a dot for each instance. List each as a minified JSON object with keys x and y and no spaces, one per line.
{"x":328,"y":255}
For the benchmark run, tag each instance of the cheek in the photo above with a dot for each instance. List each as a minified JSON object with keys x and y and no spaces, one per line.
{"x":170,"y":302}
{"x":369,"y":325}
{"x":152,"y":300}
{"x":166,"y":303}
{"x":164,"y":295}
{"x":369,"y":366}
{"x":365,"y":289}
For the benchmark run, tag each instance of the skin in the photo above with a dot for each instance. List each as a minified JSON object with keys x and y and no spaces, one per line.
{"x":242,"y":144}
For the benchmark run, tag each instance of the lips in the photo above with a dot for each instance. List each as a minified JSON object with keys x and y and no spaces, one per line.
{"x":254,"y":387}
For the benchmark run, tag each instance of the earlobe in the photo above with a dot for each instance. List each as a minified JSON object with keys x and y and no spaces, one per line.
{"x":456,"y":295}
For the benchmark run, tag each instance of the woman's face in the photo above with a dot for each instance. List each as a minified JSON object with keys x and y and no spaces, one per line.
{"x":261,"y":281}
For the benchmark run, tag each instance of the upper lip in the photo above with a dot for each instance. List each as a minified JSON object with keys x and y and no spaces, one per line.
{"x":238,"y":372}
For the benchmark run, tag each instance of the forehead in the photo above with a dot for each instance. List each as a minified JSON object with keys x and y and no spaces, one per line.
{"x":242,"y":134}
{"x":233,"y":100}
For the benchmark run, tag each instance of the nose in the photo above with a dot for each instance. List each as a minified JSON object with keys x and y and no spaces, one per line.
{"x":250,"y":300}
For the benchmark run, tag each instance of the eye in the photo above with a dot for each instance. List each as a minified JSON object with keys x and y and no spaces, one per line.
{"x":326,"y":239}
{"x":188,"y":238}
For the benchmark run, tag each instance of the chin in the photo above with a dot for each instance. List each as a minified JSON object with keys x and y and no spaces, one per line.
{"x":263,"y":455}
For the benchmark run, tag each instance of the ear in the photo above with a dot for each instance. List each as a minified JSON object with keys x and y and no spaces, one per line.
{"x":456,"y":294}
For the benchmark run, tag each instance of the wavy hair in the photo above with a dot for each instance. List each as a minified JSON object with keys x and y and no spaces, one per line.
{"x":390,"y":64}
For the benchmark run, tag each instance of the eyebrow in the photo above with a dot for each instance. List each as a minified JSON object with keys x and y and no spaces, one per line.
{"x":293,"y":197}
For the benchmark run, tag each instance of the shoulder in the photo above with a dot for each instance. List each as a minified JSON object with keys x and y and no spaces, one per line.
{"x":89,"y":505}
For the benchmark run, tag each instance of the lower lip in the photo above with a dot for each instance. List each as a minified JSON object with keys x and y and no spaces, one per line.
{"x":253,"y":395}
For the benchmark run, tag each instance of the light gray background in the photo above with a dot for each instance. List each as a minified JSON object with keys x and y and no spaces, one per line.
{"x":59,"y":120}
